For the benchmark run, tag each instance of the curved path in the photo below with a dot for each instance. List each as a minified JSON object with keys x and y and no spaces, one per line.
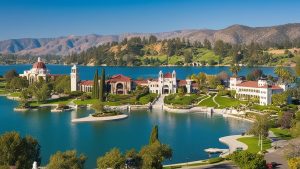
{"x":215,"y":100}
{"x":208,"y":96}
{"x":233,"y":143}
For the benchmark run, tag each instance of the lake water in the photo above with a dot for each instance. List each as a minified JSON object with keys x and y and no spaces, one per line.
{"x":187,"y":134}
{"x":87,"y":72}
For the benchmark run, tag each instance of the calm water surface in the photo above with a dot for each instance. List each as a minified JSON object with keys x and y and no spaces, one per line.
{"x":187,"y":134}
{"x":87,"y":72}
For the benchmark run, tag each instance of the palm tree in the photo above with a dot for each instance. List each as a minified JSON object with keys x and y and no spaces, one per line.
{"x":235,"y":68}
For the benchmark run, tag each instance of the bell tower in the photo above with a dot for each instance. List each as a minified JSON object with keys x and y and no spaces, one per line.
{"x":74,"y":78}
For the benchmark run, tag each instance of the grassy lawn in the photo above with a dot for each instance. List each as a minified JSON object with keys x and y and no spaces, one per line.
{"x":205,"y":55}
{"x":185,"y":100}
{"x":116,"y":100}
{"x":228,"y":102}
{"x":204,"y":162}
{"x":282,"y":133}
{"x":208,"y":102}
{"x":263,"y":108}
{"x":15,"y":94}
{"x":252,"y":143}
{"x":63,"y":100}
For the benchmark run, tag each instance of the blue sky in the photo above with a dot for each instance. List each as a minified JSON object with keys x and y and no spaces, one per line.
{"x":53,"y":18}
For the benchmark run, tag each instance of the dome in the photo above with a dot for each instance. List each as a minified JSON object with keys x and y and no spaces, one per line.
{"x":39,"y":64}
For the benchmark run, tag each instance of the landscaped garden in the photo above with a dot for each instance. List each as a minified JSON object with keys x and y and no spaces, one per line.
{"x":226,"y":101}
{"x":181,"y":99}
{"x":252,"y":143}
{"x":282,"y":133}
{"x":208,"y":101}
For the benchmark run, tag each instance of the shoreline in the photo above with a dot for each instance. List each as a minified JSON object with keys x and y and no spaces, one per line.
{"x":147,"y":65}
{"x":209,"y":110}
{"x":90,"y":118}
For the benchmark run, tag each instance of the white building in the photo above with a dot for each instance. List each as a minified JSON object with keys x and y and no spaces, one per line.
{"x":38,"y":70}
{"x":261,"y":89}
{"x":168,"y":84}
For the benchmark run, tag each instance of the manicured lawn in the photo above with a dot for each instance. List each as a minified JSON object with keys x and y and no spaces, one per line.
{"x":228,"y":102}
{"x":282,"y":133}
{"x":208,"y":102}
{"x":15,"y":94}
{"x":252,"y":143}
{"x":185,"y":100}
{"x":63,"y":100}
{"x":116,"y":100}
{"x":262,"y":108}
{"x":86,"y":102}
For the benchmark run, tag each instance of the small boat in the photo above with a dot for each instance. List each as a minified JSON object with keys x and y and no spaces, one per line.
{"x":215,"y":150}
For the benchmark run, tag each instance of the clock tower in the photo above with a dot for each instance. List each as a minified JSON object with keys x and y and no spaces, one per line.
{"x":74,"y":78}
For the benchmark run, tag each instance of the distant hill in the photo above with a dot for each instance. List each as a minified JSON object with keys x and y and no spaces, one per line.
{"x":75,"y":44}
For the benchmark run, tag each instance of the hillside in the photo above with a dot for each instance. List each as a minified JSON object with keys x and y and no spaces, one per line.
{"x":235,"y":34}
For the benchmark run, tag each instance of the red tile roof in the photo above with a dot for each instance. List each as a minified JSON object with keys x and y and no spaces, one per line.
{"x":119,"y":77}
{"x":141,"y":82}
{"x":181,"y":82}
{"x":86,"y":82}
{"x":168,"y":75}
{"x":254,"y":84}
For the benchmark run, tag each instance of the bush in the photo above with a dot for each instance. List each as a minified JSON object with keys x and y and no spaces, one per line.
{"x":294,"y":163}
{"x":247,"y":160}
{"x":215,"y":160}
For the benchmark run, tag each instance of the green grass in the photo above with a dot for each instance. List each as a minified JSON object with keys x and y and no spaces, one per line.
{"x":208,"y":102}
{"x":282,"y":133}
{"x":204,"y":162}
{"x":174,"y":59}
{"x":185,"y":100}
{"x":264,"y":108}
{"x":228,"y":102}
{"x":252,"y":143}
{"x":205,"y":55}
{"x":15,"y":94}
{"x":63,"y":100}
{"x":116,"y":100}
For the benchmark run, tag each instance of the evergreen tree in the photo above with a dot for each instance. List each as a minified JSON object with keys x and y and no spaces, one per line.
{"x":102,"y":86}
{"x":95,"y":92}
{"x":154,"y":135}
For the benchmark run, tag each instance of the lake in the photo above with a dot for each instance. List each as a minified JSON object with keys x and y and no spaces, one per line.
{"x":187,"y":134}
{"x":87,"y":72}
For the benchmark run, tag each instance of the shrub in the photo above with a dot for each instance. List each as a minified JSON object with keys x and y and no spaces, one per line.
{"x":247,"y":160}
{"x":294,"y":163}
{"x":215,"y":160}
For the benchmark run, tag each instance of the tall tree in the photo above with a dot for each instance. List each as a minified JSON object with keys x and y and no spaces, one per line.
{"x":66,"y":160}
{"x":154,"y":135}
{"x":102,"y":86}
{"x":18,"y":151}
{"x":112,"y":159}
{"x":207,"y":44}
{"x":235,"y":68}
{"x":95,"y":92}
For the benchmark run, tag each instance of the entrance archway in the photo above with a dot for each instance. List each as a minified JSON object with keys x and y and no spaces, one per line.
{"x":119,"y":88}
{"x":166,"y":89}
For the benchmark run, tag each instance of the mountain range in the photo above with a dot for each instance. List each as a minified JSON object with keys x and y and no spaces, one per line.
{"x":74,"y":44}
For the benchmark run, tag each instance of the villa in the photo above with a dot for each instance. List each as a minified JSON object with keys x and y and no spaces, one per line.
{"x":120,"y":84}
{"x":37,"y":72}
{"x":261,"y":89}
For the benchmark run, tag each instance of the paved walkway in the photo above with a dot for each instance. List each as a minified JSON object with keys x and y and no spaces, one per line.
{"x":204,"y":99}
{"x":233,"y":143}
{"x":215,"y":100}
{"x":159,"y":102}
{"x":221,"y":165}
